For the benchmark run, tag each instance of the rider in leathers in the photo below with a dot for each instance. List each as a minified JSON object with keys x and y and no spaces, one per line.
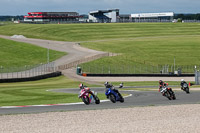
{"x":182,"y":83}
{"x":81,"y":86}
{"x":163,"y":84}
{"x":107,"y":85}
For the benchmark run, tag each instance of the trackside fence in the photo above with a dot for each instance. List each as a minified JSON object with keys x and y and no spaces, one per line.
{"x":26,"y":71}
{"x":43,"y":69}
{"x":137,"y":69}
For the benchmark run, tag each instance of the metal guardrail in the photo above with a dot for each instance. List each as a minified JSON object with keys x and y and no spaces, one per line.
{"x":42,"y":69}
{"x":26,"y":71}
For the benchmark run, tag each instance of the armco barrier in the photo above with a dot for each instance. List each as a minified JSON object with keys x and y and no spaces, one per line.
{"x":139,"y":75}
{"x":45,"y":76}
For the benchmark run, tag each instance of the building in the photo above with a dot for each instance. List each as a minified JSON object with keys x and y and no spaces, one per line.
{"x":83,"y":18}
{"x":52,"y":17}
{"x":124,"y":18}
{"x":153,"y":17}
{"x":104,"y":16}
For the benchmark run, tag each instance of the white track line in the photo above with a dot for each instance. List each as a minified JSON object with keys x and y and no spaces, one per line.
{"x":46,"y":105}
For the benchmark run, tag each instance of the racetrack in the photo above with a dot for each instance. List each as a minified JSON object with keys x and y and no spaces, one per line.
{"x":136,"y":98}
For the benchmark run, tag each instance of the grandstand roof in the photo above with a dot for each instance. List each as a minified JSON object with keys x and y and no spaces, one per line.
{"x":104,"y":11}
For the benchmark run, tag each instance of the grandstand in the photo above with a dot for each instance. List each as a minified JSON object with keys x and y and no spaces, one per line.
{"x":52,"y":17}
{"x":104,"y":16}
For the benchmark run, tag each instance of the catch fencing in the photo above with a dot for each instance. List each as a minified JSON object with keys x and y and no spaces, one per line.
{"x":42,"y":69}
{"x":26,"y":71}
{"x":137,"y":69}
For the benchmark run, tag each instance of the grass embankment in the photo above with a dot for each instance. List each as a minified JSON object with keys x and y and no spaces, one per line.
{"x":17,"y":54}
{"x":143,"y":45}
{"x":93,"y":32}
{"x":35,"y":93}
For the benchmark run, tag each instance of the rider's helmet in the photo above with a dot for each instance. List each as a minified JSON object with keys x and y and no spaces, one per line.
{"x":182,"y":80}
{"x":106,"y":83}
{"x":160,"y":82}
{"x":81,"y":86}
{"x":121,"y":85}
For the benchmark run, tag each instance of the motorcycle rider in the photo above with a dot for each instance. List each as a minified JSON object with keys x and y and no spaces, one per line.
{"x":108,"y":85}
{"x":163,"y":85}
{"x":87,"y":89}
{"x":182,"y":83}
{"x":81,"y":86}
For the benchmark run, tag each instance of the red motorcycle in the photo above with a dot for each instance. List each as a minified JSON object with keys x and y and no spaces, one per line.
{"x":87,"y":96}
{"x":167,"y":92}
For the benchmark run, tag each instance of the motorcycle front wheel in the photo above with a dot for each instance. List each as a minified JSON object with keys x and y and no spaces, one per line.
{"x":167,"y":95}
{"x":86,"y":100}
{"x":112,"y":98}
{"x":187,"y":90}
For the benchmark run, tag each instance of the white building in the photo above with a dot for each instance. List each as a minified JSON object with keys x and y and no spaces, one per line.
{"x":165,"y":16}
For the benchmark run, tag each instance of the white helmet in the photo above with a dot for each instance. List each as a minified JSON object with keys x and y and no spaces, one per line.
{"x":106,"y":83}
{"x":182,"y":80}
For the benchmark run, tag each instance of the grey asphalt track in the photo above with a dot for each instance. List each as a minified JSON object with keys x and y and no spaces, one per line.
{"x":138,"y":98}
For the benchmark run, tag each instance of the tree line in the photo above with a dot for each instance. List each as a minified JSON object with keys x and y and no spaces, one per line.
{"x":187,"y":16}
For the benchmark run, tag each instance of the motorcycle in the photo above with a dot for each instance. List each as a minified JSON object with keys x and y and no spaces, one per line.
{"x":185,"y":88}
{"x":88,"y":96}
{"x":167,"y":92}
{"x":114,"y":96}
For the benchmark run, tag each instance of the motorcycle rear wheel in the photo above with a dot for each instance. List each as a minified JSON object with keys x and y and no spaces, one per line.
{"x":97,"y":101}
{"x":173,"y":97}
{"x":121,"y":100}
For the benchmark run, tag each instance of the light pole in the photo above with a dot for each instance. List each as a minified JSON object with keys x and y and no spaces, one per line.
{"x":48,"y":54}
{"x":174,"y":64}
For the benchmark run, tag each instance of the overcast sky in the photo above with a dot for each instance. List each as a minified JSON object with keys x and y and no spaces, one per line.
{"x":22,"y":7}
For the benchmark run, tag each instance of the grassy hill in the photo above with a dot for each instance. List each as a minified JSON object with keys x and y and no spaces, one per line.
{"x":146,"y":53}
{"x":139,"y":43}
{"x":16,"y":54}
{"x":91,"y":32}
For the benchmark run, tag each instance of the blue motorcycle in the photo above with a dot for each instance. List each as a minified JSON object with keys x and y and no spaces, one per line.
{"x":113,"y":96}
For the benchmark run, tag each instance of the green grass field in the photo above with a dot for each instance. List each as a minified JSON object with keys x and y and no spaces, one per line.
{"x":145,"y":44}
{"x":17,"y":54}
{"x":35,"y":92}
{"x":93,"y":32}
{"x":148,"y":54}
